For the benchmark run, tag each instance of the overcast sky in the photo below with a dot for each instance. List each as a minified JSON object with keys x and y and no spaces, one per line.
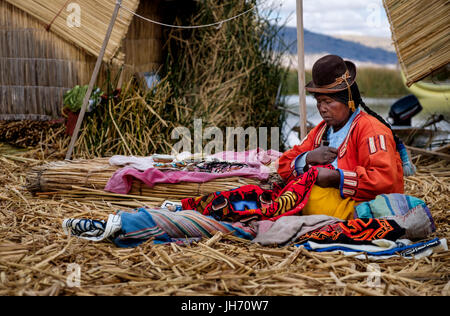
{"x":337,"y":17}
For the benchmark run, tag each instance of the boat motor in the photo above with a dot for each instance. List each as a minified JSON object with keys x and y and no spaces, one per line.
{"x":404,"y":109}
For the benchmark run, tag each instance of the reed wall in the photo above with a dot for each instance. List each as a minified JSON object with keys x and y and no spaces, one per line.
{"x":142,"y":46}
{"x":37,"y":67}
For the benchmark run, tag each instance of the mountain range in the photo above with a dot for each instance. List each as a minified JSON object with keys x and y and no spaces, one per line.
{"x":320,"y":44}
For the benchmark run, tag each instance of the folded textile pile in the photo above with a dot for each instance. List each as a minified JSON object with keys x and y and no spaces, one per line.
{"x":357,"y":231}
{"x":287,"y":230}
{"x":374,"y":238}
{"x":167,"y":169}
{"x":399,"y":219}
{"x":409,"y":223}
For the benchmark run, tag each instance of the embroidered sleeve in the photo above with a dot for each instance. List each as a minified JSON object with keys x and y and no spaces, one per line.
{"x":349,"y":183}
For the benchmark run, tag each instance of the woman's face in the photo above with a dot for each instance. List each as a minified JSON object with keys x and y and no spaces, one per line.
{"x":334,"y":113}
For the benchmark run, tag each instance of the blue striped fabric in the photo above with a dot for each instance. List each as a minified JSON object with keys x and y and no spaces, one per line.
{"x":407,"y":251}
{"x":164,"y":226}
{"x":408,"y":167}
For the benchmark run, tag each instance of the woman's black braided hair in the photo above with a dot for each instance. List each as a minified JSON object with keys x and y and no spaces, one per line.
{"x":382,"y":120}
{"x":373,"y":113}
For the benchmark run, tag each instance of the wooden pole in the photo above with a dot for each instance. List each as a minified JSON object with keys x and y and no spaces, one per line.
{"x":301,"y":70}
{"x":93,"y":80}
{"x":421,"y":151}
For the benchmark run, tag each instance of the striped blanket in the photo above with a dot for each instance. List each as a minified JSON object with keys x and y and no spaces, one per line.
{"x":130,"y":229}
{"x":164,"y":227}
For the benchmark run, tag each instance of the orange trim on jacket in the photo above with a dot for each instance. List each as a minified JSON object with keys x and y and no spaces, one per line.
{"x":368,"y":160}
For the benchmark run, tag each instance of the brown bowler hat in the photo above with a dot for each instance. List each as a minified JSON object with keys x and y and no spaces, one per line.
{"x":331,"y":74}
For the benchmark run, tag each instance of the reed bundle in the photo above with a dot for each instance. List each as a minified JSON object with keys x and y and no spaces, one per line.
{"x":227,"y":77}
{"x":84,"y":180}
{"x":420,"y":33}
{"x":231,"y":74}
{"x":35,"y":255}
{"x":134,"y":125}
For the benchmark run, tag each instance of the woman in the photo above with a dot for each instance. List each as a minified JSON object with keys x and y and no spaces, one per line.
{"x":360,"y":146}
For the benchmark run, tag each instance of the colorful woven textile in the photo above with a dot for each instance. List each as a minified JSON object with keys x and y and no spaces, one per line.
{"x":409,"y":212}
{"x":388,"y":205}
{"x":251,"y":200}
{"x":357,"y":231}
{"x":164,"y":227}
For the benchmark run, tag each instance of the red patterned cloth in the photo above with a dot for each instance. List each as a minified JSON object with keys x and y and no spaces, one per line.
{"x":357,"y":231}
{"x":251,"y":200}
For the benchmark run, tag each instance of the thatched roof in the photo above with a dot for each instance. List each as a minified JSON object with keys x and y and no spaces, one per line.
{"x":95,"y":18}
{"x":420,"y":31}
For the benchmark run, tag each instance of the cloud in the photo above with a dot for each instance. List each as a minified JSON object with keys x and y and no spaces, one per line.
{"x":333,"y":17}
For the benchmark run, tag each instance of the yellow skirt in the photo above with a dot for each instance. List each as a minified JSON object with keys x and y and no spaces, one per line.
{"x":328,"y":201}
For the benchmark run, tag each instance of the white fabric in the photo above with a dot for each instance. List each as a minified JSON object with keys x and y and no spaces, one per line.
{"x":382,"y":245}
{"x":113,"y":225}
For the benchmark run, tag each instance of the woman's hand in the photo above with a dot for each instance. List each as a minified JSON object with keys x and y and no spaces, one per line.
{"x":321,"y":156}
{"x":328,"y":178}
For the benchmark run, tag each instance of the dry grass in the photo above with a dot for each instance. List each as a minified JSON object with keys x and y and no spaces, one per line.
{"x":35,"y":255}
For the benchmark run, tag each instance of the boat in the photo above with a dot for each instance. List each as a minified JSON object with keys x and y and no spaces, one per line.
{"x":433,"y":92}
{"x":429,"y":100}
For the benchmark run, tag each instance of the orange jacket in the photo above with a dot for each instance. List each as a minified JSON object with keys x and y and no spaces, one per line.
{"x":368,"y":160}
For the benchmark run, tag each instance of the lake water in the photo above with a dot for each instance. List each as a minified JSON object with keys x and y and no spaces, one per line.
{"x":379,"y":105}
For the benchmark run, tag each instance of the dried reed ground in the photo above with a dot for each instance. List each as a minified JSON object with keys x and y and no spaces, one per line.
{"x":35,"y":256}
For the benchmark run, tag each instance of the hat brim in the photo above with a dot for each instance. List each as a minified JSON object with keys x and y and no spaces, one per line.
{"x":311,"y":87}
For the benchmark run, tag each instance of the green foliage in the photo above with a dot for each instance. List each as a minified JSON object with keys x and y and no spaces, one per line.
{"x":381,"y":83}
{"x":73,"y":99}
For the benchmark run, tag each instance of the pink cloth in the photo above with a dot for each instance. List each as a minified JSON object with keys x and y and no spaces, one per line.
{"x":122,"y":180}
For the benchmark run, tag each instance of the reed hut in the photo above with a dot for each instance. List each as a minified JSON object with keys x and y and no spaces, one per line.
{"x":44,"y":52}
{"x":420,"y":32}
